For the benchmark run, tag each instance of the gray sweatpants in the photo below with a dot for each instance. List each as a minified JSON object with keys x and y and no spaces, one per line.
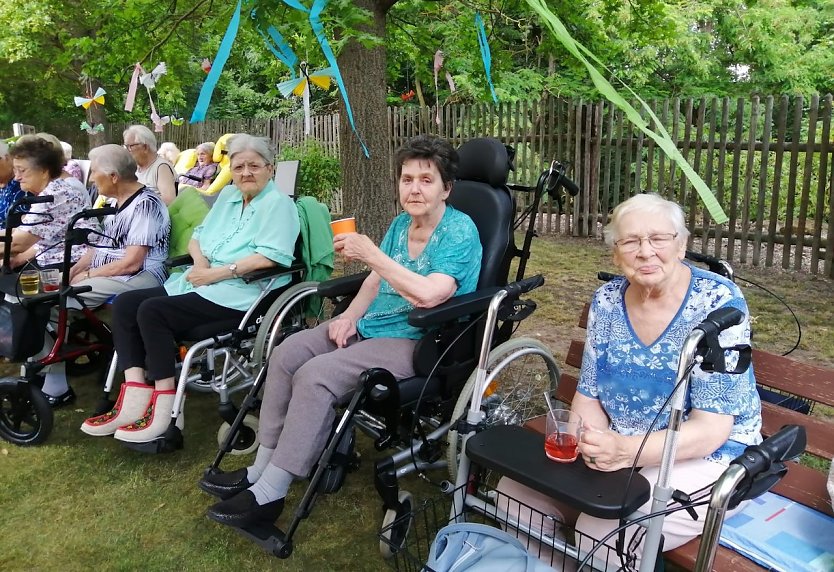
{"x":308,"y":375}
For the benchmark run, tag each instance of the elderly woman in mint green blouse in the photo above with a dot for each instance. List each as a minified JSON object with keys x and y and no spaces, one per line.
{"x":251,"y":226}
{"x":430,"y":253}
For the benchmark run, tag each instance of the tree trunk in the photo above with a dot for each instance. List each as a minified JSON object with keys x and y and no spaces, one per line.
{"x":368,"y":189}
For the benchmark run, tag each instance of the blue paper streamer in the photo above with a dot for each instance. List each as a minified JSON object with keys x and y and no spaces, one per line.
{"x":486,"y":56}
{"x":318,"y":30}
{"x":276,"y":44}
{"x":223,"y":52}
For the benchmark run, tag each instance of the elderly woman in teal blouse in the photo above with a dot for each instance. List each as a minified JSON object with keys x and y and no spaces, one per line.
{"x":430,"y":253}
{"x":252,"y":226}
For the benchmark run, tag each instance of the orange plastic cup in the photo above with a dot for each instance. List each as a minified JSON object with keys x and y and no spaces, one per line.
{"x":343,"y":225}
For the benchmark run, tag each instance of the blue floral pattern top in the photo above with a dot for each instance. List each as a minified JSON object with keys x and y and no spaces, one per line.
{"x":633,"y":380}
{"x":9,"y":193}
{"x":454,"y":249}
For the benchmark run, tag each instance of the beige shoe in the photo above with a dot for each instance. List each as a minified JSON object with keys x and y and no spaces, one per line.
{"x":133,"y":401}
{"x":155,"y":421}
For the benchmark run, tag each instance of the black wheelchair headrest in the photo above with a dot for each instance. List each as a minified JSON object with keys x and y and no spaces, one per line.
{"x":484,"y":160}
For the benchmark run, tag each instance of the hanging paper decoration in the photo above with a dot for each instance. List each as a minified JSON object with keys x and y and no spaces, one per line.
{"x":199,"y":113}
{"x":408,"y":96}
{"x":92,"y":130}
{"x":86,"y":102}
{"x":318,"y":30}
{"x":277,"y":45}
{"x":159,"y":122}
{"x":177,"y":121}
{"x":206,"y":65}
{"x":130,"y":99}
{"x":438,"y":63}
{"x":140,"y":76}
{"x":486,"y":56}
{"x":301,"y":87}
{"x":149,"y":79}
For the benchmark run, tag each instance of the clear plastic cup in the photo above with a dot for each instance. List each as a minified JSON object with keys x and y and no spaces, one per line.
{"x":30,"y":282}
{"x":562,"y":434}
{"x":51,"y":279}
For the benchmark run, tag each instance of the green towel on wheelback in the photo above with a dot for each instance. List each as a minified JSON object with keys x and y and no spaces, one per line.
{"x":317,"y":244}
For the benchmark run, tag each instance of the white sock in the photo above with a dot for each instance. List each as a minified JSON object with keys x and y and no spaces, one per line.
{"x":273,"y":485}
{"x":55,"y":383}
{"x":262,"y":458}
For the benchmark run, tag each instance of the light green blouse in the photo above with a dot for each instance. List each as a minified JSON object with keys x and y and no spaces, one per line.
{"x":268,"y":225}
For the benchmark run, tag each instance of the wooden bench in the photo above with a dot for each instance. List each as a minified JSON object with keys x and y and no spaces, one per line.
{"x":802,"y":484}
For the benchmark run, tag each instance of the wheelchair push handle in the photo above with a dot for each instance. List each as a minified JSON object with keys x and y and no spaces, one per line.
{"x":93,"y":213}
{"x":516,"y":289}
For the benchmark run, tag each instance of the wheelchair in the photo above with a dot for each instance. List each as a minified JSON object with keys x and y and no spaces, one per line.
{"x":414,"y":416}
{"x":233,"y":346}
{"x":81,"y":339}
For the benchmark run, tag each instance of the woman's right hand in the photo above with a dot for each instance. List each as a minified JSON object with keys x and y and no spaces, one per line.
{"x":341,"y":329}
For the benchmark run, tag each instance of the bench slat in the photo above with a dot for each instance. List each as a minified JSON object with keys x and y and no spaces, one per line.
{"x":795,"y":377}
{"x":820,"y":432}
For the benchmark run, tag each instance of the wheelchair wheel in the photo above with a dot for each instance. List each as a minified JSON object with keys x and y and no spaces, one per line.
{"x":294,"y":321}
{"x":25,"y":416}
{"x":396,"y":526}
{"x":246,"y":441}
{"x":82,"y":333}
{"x":515,"y":394}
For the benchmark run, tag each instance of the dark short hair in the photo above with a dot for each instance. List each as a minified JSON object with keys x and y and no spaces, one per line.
{"x":41,"y":153}
{"x":433,"y":149}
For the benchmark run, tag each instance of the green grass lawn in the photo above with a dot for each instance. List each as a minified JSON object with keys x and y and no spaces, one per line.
{"x":78,"y":502}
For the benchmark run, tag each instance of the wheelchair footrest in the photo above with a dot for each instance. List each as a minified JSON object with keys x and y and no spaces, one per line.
{"x":268,"y":537}
{"x":160,"y":445}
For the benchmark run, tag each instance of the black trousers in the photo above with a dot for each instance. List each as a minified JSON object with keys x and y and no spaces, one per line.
{"x":148,"y":323}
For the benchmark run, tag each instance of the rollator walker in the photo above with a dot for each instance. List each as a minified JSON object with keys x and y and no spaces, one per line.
{"x":80,"y":338}
{"x":518,"y":453}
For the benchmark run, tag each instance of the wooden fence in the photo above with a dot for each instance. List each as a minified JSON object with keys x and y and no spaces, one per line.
{"x":769,"y":162}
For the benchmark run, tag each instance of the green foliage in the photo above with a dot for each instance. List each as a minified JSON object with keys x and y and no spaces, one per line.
{"x":319,"y":173}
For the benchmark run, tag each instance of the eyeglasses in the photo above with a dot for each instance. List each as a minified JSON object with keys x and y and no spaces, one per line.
{"x":658,"y":241}
{"x":254,"y":168}
{"x":131,"y":146}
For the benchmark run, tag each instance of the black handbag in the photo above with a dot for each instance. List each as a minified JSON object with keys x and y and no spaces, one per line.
{"x":22,"y":329}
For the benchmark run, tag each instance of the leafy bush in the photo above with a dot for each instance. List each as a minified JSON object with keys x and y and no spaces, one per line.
{"x":319,"y":174}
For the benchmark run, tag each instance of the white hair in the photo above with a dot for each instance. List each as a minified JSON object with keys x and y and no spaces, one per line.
{"x":241,"y":142}
{"x":169,"y":151}
{"x":67,"y":150}
{"x":142,"y":135}
{"x":653,"y":206}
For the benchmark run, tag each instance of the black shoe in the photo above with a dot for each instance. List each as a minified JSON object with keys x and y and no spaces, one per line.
{"x":225,"y":485}
{"x":60,"y":400}
{"x":243,"y":510}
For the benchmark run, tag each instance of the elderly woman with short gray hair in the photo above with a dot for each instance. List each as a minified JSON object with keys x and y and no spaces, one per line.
{"x":133,"y":254}
{"x":155,"y":172}
{"x":252,"y":226}
{"x":201,"y":174}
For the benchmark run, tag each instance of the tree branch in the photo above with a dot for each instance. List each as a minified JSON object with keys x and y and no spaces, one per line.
{"x":173,"y":28}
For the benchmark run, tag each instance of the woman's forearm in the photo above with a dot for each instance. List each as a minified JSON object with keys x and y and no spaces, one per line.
{"x":362,"y":301}
{"x":420,"y":291}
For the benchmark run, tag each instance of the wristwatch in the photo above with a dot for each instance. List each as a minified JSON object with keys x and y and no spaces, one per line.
{"x":233,"y":270}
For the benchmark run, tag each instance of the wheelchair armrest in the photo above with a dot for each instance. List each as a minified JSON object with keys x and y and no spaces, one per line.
{"x":452,"y":309}
{"x":342,"y":286}
{"x":52,"y":297}
{"x":276,"y":270}
{"x":181,"y":260}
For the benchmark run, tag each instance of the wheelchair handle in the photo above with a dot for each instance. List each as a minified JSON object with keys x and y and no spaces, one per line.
{"x":516,"y":289}
{"x":33,"y":200}
{"x":94,"y":213}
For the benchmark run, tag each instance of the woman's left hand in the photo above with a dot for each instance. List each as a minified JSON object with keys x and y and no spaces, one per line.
{"x":354,"y":246}
{"x":604,"y":450}
{"x":205,"y":276}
